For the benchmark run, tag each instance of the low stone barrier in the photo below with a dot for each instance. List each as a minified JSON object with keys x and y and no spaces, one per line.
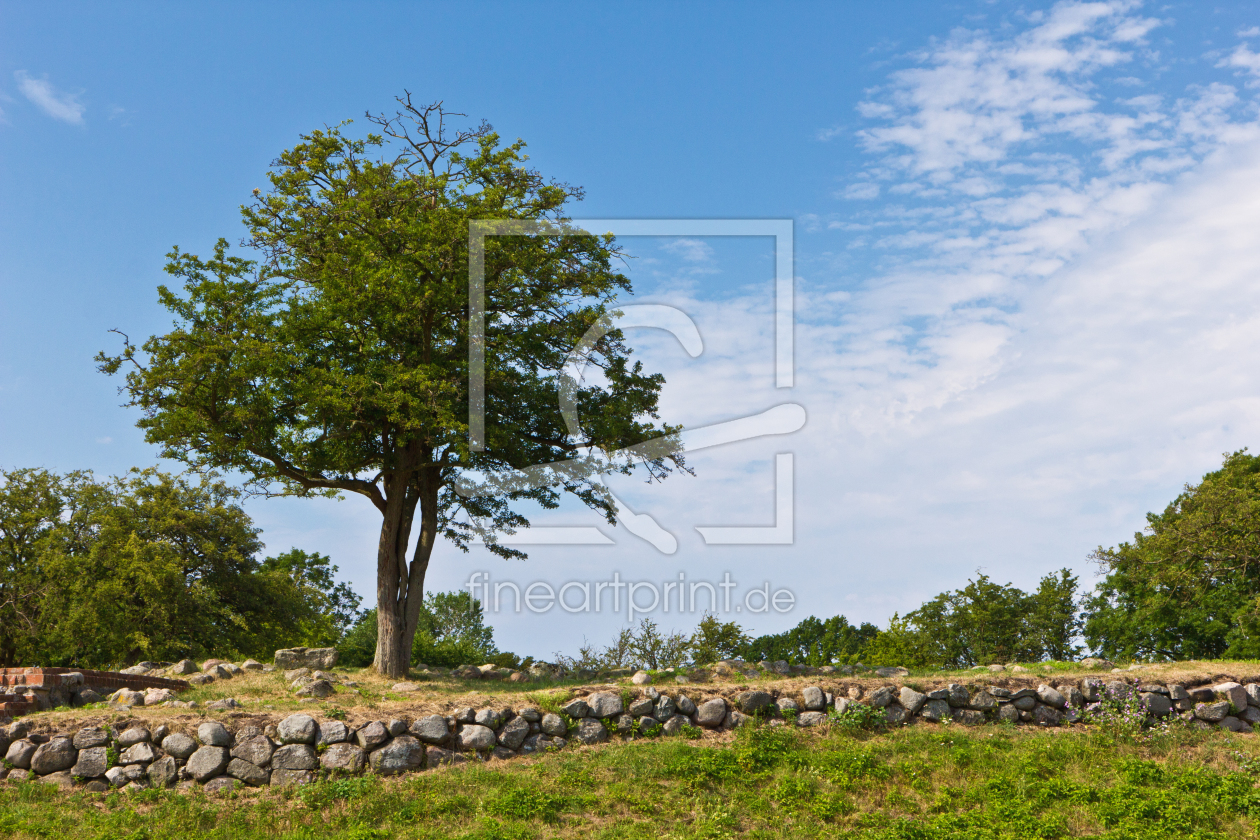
{"x":299,"y":749}
{"x":26,"y":690}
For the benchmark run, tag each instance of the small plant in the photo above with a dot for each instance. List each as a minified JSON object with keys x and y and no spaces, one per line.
{"x":111,"y":754}
{"x":859,"y":716}
{"x":335,"y":713}
{"x":690,"y":732}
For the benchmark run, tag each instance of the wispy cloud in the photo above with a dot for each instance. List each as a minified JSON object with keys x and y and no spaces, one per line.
{"x":55,"y":103}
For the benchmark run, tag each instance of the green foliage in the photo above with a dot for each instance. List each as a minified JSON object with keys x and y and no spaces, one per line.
{"x":714,"y":640}
{"x":526,"y":804}
{"x":982,"y":623}
{"x":859,"y":716}
{"x":644,"y":646}
{"x":338,"y":360}
{"x":813,"y":642}
{"x":1189,"y":587}
{"x":336,"y":604}
{"x":147,"y":566}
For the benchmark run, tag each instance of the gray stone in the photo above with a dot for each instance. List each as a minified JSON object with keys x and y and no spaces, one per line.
{"x":250,"y":774}
{"x":257,"y":751}
{"x":294,"y":757}
{"x":642,"y":706}
{"x":787,"y":705}
{"x":897,"y":715}
{"x":641,"y":678}
{"x":1181,"y":698}
{"x":214,"y":734}
{"x":396,"y":727}
{"x":553,"y":725}
{"x":343,"y":757}
{"x":284,"y":778}
{"x":163,"y":772}
{"x":1212,"y":712}
{"x":298,"y":675}
{"x":1157,"y":704}
{"x":60,"y":778}
{"x":141,"y":753}
{"x":666,"y":708}
{"x":96,"y":786}
{"x":1253,"y":694}
{"x":957,"y":696}
{"x":968,"y":717}
{"x":18,"y":730}
{"x":160,"y":732}
{"x":221,"y":783}
{"x":251,"y":665}
{"x":811,"y":718}
{"x":982,"y":701}
{"x":754,"y":702}
{"x":400,"y":755}
{"x":1045,"y":715}
{"x":319,"y":689}
{"x":530,"y":714}
{"x":207,"y":762}
{"x":1075,"y":698}
{"x":1233,"y":724}
{"x":1024,"y":692}
{"x":999,"y":692}
{"x":319,"y":658}
{"x":225,"y":704}
{"x":711,"y":713}
{"x":605,"y":704}
{"x":891,"y":672}
{"x":132,"y":736}
{"x":489,"y":718}
{"x":881,"y":696}
{"x":674,"y":725}
{"x":1025,"y":704}
{"x":1251,"y":715}
{"x":116,"y":776}
{"x":465,"y":715}
{"x":1007,"y":713}
{"x":92,"y":762}
{"x":432,"y":729}
{"x":183,"y":668}
{"x":648,"y":725}
{"x":332,"y":732}
{"x":735,"y":719}
{"x":813,"y":698}
{"x":1233,"y":693}
{"x":179,"y":745}
{"x":686,"y":705}
{"x":298,"y":729}
{"x":576,"y":709}
{"x":90,"y":736}
{"x":935,"y":710}
{"x":1051,"y":697}
{"x":474,"y":736}
{"x":912,"y":700}
{"x":938,"y":694}
{"x":371,"y":735}
{"x":591,"y":731}
{"x":514,"y":733}
{"x":58,"y":754}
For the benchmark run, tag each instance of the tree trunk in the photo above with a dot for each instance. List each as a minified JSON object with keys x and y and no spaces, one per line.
{"x":393,"y":636}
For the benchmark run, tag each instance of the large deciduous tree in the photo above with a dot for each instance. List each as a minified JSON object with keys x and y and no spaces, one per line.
{"x":338,"y":360}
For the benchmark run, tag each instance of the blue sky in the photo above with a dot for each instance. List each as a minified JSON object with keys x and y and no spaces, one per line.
{"x":1027,"y":303}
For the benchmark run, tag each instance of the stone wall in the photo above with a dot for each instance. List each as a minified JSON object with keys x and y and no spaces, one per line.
{"x":298,"y":749}
{"x":26,"y":690}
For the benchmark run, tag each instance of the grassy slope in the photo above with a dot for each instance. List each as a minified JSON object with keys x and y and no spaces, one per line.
{"x":926,"y":781}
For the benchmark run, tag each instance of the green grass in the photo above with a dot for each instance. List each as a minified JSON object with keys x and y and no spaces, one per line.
{"x":937,"y":782}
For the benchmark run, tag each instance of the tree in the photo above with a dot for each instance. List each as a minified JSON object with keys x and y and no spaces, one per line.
{"x":338,"y":361}
{"x":715,"y":640}
{"x":451,"y":631}
{"x":813,"y":642}
{"x":1189,"y":587}
{"x":336,"y":604}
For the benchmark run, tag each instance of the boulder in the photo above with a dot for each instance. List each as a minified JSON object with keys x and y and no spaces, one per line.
{"x":92,"y":763}
{"x":968,"y":717}
{"x":295,"y":757}
{"x":641,"y":706}
{"x":641,"y":678}
{"x":207,"y":762}
{"x":1233,"y":724}
{"x":514,"y":733}
{"x":604,"y":704}
{"x":298,"y":729}
{"x":1094,"y":662}
{"x":157,"y":696}
{"x":490,"y":718}
{"x":332,"y":732}
{"x":438,"y":757}
{"x":142,"y":753}
{"x":251,"y":665}
{"x":200,"y":679}
{"x":912,"y":700}
{"x":810,"y":718}
{"x":935,"y":710}
{"x":284,"y":778}
{"x":891,"y":673}
{"x":553,"y":725}
{"x":371,"y":735}
{"x":433,"y":729}
{"x":473,"y":736}
{"x":881,"y":696}
{"x":319,"y":690}
{"x":256,"y":751}
{"x":323,"y":658}
{"x":214,"y":734}
{"x":1253,"y":693}
{"x":58,"y":754}
{"x":1157,"y":704}
{"x":179,"y":745}
{"x":530,"y":714}
{"x":116,"y":776}
{"x":957,"y":696}
{"x":1051,"y":697}
{"x":576,"y":708}
{"x":813,"y":698}
{"x":183,"y":668}
{"x":1044,"y":715}
{"x":1212,"y":712}
{"x":225,"y":704}
{"x":648,"y":725}
{"x":250,"y":774}
{"x":163,"y":773}
{"x":127,"y":697}
{"x":592,"y":731}
{"x":343,"y":757}
{"x":710,"y":713}
{"x":90,"y":736}
{"x":400,"y":755}
{"x":754,"y":702}
{"x":896,"y":714}
{"x":1233,"y":693}
{"x":982,"y":701}
{"x":686,"y":705}
{"x":134,"y":735}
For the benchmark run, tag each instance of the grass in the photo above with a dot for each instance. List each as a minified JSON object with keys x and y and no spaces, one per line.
{"x":938,"y":782}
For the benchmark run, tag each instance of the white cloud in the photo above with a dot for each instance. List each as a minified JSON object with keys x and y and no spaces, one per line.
{"x":863,"y":191}
{"x":57,"y":104}
{"x":689,"y":250}
{"x":1242,"y":59}
{"x":1249,"y":33}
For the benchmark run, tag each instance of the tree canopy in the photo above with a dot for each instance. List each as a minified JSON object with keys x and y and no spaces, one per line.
{"x":1189,"y":586}
{"x":337,"y":360}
